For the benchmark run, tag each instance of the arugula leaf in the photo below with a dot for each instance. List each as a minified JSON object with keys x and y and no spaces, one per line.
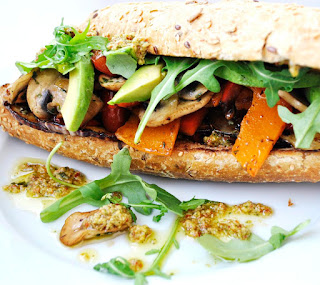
{"x":239,"y":73}
{"x":155,"y":266}
{"x":65,"y":50}
{"x":278,"y":235}
{"x":165,"y":88}
{"x":305,"y":124}
{"x":121,"y":267}
{"x":149,"y":205}
{"x":157,"y":218}
{"x":119,"y":180}
{"x":167,"y":200}
{"x":140,"y":279}
{"x":115,"y":197}
{"x":152,"y":59}
{"x":254,"y":74}
{"x":202,"y":73}
{"x":117,"y":266}
{"x":152,"y":251}
{"x":48,"y":168}
{"x":247,"y":250}
{"x":90,"y":194}
{"x":121,"y":61}
{"x":275,"y":80}
{"x":192,"y":204}
{"x":176,"y":243}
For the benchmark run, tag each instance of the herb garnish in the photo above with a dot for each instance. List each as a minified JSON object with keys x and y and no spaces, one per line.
{"x":247,"y":250}
{"x":165,"y":89}
{"x":121,"y":267}
{"x":121,"y":61}
{"x":69,"y":46}
{"x":306,"y":124}
{"x":65,"y":50}
{"x":139,"y":193}
{"x":48,"y":163}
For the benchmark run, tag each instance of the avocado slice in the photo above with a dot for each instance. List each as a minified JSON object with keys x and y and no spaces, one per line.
{"x":76,"y":104}
{"x":139,"y":86}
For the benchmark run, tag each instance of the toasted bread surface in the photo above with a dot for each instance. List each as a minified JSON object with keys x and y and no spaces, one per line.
{"x":227,"y":30}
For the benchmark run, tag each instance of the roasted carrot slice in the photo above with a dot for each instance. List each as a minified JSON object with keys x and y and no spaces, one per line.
{"x":260,"y":129}
{"x":157,"y":140}
{"x":191,"y":122}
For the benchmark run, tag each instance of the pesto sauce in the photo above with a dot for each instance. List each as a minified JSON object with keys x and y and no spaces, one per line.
{"x":33,"y":178}
{"x":217,"y":219}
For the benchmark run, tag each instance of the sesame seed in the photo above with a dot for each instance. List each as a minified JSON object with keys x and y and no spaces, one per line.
{"x":95,"y":15}
{"x":177,"y":27}
{"x":155,"y":49}
{"x":187,"y":44}
{"x":178,"y":36}
{"x":272,"y":50}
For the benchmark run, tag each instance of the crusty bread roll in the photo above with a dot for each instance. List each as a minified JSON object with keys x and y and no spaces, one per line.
{"x":188,"y":160}
{"x":229,"y":30}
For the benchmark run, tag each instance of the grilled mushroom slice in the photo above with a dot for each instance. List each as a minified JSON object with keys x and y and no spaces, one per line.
{"x":108,"y":219}
{"x":192,"y":92}
{"x":39,"y":94}
{"x":47,"y":91}
{"x":23,"y":115}
{"x":18,"y":87}
{"x":291,"y":139}
{"x":173,"y":108}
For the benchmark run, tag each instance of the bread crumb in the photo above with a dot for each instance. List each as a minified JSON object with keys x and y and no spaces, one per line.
{"x":290,"y":204}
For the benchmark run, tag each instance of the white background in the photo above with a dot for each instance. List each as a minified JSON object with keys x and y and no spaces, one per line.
{"x":29,"y":250}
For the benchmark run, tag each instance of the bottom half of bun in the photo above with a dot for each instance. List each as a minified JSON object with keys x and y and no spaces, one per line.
{"x":188,"y":160}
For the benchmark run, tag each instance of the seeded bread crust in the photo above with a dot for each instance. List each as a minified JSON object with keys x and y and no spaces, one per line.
{"x":188,"y":160}
{"x":227,"y":30}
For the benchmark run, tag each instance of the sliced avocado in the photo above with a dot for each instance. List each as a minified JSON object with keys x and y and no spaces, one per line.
{"x":76,"y":104}
{"x":139,"y":86}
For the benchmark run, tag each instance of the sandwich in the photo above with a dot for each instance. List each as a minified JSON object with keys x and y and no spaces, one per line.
{"x":228,"y":91}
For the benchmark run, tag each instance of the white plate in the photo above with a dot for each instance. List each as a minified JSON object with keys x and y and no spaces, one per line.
{"x":30,"y":250}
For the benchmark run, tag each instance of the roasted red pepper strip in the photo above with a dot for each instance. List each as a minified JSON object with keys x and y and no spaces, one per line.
{"x":99,"y":62}
{"x":129,"y":105}
{"x":191,"y":122}
{"x":113,"y":116}
{"x":229,"y":92}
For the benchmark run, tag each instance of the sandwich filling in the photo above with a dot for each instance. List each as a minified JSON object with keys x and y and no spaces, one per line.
{"x":112,"y":89}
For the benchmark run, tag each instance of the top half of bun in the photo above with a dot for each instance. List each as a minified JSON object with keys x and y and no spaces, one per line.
{"x":227,"y":30}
